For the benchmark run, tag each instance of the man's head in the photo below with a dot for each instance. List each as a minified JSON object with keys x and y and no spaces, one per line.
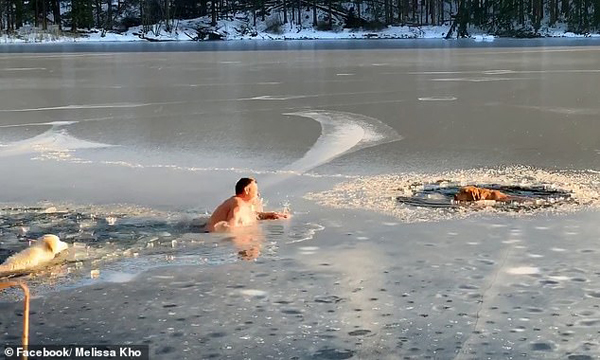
{"x":246,"y":188}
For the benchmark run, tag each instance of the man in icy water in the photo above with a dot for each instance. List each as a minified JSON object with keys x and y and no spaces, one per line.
{"x":242,"y":209}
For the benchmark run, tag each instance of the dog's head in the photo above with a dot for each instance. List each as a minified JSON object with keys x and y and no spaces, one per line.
{"x":468,"y":193}
{"x":54,"y":243}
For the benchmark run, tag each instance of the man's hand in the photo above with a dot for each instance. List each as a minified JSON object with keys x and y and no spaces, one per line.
{"x":273,"y":215}
{"x":282,"y":215}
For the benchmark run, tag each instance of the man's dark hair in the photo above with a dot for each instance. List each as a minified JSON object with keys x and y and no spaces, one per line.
{"x":241,"y":185}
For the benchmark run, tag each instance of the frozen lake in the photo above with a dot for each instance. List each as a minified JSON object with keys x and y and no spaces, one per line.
{"x":130,"y":143}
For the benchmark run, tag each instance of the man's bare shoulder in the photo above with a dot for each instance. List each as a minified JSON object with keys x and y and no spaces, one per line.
{"x":236,"y":200}
{"x":233,"y":202}
{"x":227,"y":205}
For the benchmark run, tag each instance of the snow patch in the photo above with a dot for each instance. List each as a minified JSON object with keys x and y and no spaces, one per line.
{"x":341,"y":133}
{"x":242,"y":28}
{"x":438,"y":98}
{"x":523,"y":270}
{"x":92,"y":106}
{"x":55,"y":143}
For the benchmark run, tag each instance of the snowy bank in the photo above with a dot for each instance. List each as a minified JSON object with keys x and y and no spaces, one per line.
{"x":242,"y":29}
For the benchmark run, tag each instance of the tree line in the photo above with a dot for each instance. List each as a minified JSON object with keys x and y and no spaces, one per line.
{"x":502,"y":17}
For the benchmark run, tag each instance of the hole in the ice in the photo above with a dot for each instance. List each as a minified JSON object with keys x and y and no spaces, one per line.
{"x":441,"y":195}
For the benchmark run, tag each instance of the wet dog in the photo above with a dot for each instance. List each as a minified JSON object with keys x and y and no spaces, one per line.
{"x":473,"y":193}
{"x":45,"y":249}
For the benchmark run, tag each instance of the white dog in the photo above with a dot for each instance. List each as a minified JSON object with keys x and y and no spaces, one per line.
{"x":41,"y":253}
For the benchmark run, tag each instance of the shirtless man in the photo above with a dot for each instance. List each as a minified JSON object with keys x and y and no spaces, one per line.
{"x":241,"y":209}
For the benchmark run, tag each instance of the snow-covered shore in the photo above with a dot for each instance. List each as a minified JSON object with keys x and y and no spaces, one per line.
{"x":241,"y":29}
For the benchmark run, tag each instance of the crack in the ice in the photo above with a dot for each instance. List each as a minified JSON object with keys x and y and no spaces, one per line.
{"x":465,"y":344}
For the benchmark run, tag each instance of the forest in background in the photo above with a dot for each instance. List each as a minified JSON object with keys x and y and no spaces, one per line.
{"x":500,"y":17}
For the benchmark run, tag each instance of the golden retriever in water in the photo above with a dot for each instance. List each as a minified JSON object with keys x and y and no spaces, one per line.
{"x":473,"y":193}
{"x":41,"y":253}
